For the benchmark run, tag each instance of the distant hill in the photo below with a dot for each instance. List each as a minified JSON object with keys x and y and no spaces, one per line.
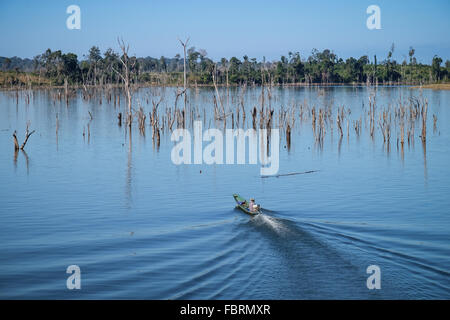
{"x":16,"y":63}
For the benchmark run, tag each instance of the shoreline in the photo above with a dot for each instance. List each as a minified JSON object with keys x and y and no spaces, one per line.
{"x":435,"y":86}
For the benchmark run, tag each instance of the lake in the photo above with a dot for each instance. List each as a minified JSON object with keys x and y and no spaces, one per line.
{"x":88,"y":192}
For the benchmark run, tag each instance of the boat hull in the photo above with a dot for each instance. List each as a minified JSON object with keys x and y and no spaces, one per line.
{"x":239,"y":204}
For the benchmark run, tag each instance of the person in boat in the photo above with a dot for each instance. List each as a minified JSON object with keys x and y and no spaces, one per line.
{"x":243,"y":203}
{"x":251,"y":205}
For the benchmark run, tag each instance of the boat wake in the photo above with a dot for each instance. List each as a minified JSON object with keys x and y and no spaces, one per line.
{"x":275,"y":224}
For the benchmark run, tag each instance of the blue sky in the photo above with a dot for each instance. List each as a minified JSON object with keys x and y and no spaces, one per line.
{"x":228,"y":28}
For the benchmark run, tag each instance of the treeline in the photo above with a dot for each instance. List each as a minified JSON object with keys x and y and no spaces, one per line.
{"x":319,"y":68}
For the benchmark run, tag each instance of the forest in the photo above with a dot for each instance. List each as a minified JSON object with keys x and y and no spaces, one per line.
{"x":320,"y":67}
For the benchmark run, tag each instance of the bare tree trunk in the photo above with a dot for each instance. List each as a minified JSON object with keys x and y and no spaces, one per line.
{"x":227,"y":76}
{"x":217,"y":93}
{"x":16,"y":143}
{"x":126,"y":77}
{"x":27,"y":135}
{"x":184,"y":44}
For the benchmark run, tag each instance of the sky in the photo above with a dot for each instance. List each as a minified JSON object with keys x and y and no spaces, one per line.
{"x":228,"y":28}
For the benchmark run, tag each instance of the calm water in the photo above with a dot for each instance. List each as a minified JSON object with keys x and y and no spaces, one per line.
{"x":140,"y":227}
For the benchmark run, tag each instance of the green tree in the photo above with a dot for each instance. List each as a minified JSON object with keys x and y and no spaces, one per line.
{"x":234,"y":72}
{"x":192,"y":59}
{"x":436,"y":68}
{"x":71,"y":70}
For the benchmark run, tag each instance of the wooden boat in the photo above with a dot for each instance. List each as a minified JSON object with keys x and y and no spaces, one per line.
{"x":243,"y":205}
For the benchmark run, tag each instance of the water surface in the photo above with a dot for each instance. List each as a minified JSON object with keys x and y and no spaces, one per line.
{"x":140,"y":227}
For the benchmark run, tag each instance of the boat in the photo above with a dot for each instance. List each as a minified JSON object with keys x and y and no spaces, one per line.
{"x":243,"y":205}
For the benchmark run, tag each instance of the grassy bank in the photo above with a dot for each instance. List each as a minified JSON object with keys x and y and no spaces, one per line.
{"x":435,"y":86}
{"x":24,"y":80}
{"x":16,"y":79}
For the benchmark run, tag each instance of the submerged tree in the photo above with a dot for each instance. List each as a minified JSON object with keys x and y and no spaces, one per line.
{"x":127,"y":64}
{"x":184,"y":44}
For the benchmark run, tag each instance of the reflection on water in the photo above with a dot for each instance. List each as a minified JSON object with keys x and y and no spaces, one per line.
{"x":424,"y":148}
{"x":128,"y":192}
{"x":106,"y":197}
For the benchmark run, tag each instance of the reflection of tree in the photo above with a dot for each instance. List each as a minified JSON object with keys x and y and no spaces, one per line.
{"x":425,"y":171}
{"x":129,"y":173}
{"x":16,"y":152}
{"x":27,"y":159}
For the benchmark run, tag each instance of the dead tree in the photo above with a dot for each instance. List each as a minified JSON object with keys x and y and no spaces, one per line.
{"x":177,"y":95}
{"x":339,"y":123}
{"x":288,"y":136}
{"x":424,"y":120}
{"x":27,"y":135}
{"x":217,"y":92}
{"x":125,"y":75}
{"x":16,"y":143}
{"x":184,"y":44}
{"x":254,"y":117}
